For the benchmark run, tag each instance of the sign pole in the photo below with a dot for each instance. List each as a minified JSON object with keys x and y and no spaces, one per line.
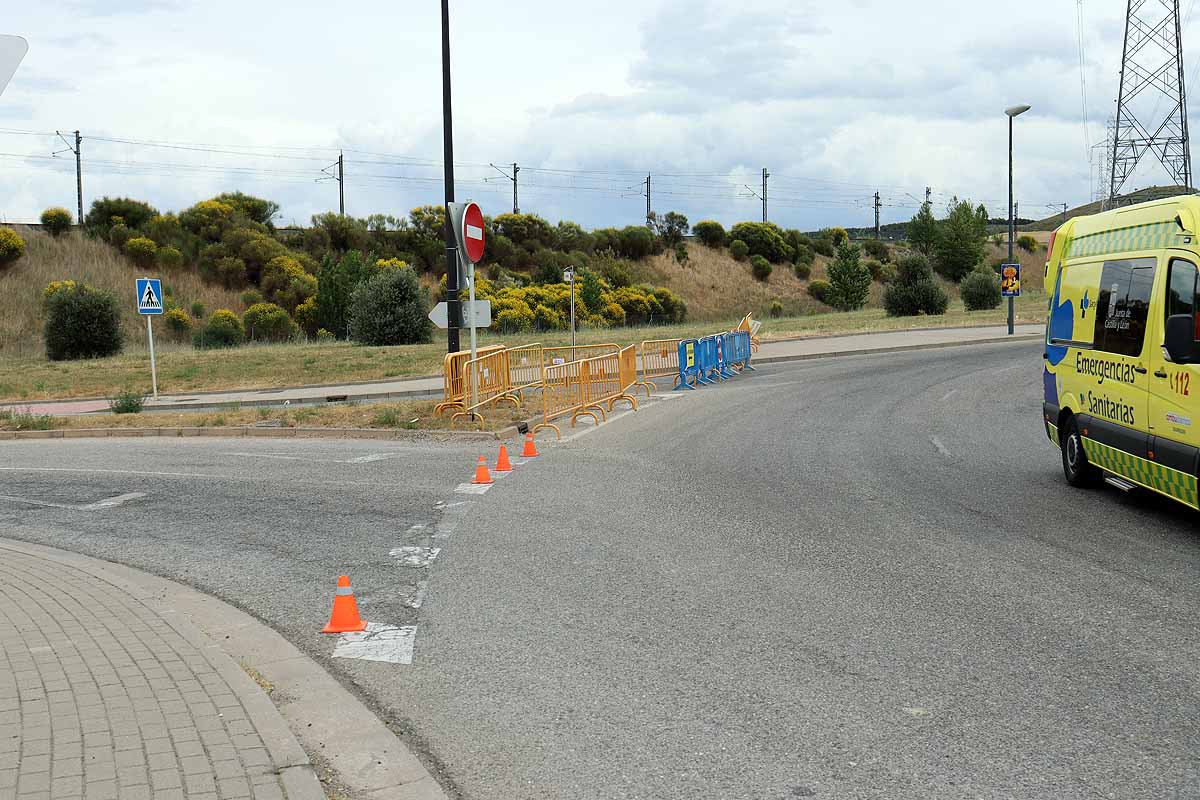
{"x":153,"y":368}
{"x":474,"y":353}
{"x":572,"y":313}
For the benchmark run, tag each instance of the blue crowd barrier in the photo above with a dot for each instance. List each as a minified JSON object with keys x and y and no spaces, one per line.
{"x":714,"y":358}
{"x":689,"y":362}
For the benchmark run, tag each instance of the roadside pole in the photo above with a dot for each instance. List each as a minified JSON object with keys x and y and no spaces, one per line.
{"x":153,"y":367}
{"x":570,"y":276}
{"x":474,"y":348}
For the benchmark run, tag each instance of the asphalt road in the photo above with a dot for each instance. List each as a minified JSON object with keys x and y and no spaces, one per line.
{"x":856,"y":578}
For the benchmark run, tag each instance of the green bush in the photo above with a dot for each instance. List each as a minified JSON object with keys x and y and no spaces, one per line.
{"x":517,"y":319}
{"x":819,"y":289}
{"x":119,"y":234}
{"x":267,"y":322}
{"x":127,"y":401}
{"x":254,"y":209}
{"x":12,"y":247}
{"x":910,"y":299}
{"x":81,"y":322}
{"x":804,"y":254}
{"x":887,"y":273}
{"x":197,"y":309}
{"x":251,"y":297}
{"x":56,"y":221}
{"x":913,"y":268}
{"x":178,"y":324}
{"x":877,"y":250}
{"x":169,"y":258}
{"x":1027,"y":243}
{"x":326,"y":336}
{"x":306,"y":316}
{"x":389,"y":308}
{"x":528,"y":231}
{"x":980,"y":290}
{"x":849,"y":279}
{"x":823,"y":246}
{"x":874,"y":267}
{"x":764,"y":239}
{"x":224,"y":329}
{"x":285,"y":283}
{"x":613,"y":315}
{"x":760,"y":268}
{"x":104,"y":213}
{"x":776,"y":309}
{"x":803,"y":271}
{"x":141,"y":251}
{"x":681,"y":253}
{"x":709,"y":232}
{"x":635,"y":242}
{"x":738,"y":249}
{"x":835,"y":236}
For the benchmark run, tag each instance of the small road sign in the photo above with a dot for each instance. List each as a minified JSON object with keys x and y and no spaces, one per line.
{"x":477,"y":315}
{"x":149,"y":296}
{"x":470,"y":237}
{"x":12,"y":50}
{"x":1010,"y":280}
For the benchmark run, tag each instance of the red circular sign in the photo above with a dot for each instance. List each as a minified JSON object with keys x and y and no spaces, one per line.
{"x":472,"y":232}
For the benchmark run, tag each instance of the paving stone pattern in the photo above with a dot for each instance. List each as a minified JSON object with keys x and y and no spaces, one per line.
{"x":101,"y":699}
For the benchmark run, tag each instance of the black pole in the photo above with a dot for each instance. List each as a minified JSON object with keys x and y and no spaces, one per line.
{"x":453,"y":315}
{"x":1011,"y":222}
{"x":516,"y":206}
{"x":341,"y":186}
{"x":79,"y":176}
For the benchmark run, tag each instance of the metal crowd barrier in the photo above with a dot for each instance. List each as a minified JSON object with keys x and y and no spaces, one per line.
{"x":525,"y":366}
{"x":562,"y":394}
{"x":660,"y":359}
{"x":486,"y":380}
{"x":562,"y":355}
{"x":452,"y":375}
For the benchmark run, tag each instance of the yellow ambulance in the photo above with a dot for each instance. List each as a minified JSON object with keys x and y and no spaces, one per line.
{"x":1121,"y":351}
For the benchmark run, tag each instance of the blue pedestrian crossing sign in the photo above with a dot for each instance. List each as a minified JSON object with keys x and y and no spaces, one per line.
{"x":149,"y":296}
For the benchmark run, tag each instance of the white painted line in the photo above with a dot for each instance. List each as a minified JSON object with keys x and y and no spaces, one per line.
{"x":111,"y":502}
{"x":118,"y":472}
{"x":367,"y":459}
{"x":414,"y":556}
{"x":373,"y":457}
{"x":417,"y":598}
{"x":949,"y":394}
{"x":472,"y":488}
{"x":941,"y":448}
{"x":392,"y":644}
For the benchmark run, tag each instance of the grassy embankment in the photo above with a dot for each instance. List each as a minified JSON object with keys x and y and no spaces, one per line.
{"x":717,"y":289}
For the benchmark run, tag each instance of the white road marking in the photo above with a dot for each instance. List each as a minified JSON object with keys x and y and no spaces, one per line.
{"x":949,"y":394}
{"x":359,"y":460}
{"x":472,"y":488}
{"x":414,"y":556}
{"x":118,"y":472}
{"x":941,"y":448}
{"x":111,"y":502}
{"x":392,"y":644}
{"x":417,"y":598}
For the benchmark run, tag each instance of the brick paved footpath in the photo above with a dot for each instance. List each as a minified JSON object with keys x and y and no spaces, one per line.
{"x":102,"y":697}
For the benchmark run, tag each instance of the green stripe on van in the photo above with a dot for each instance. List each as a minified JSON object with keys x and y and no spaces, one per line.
{"x":1152,"y":236}
{"x":1170,"y":482}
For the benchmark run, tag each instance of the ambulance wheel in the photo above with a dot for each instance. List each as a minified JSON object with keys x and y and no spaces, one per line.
{"x":1079,"y":471}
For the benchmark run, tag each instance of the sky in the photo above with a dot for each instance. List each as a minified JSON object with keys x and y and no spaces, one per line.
{"x":179,"y":100}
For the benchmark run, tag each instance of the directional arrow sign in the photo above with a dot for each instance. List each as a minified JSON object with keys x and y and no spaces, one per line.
{"x":12,"y":50}
{"x":478,"y":315}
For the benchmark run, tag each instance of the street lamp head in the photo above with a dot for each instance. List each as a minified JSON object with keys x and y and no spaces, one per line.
{"x":1015,"y":110}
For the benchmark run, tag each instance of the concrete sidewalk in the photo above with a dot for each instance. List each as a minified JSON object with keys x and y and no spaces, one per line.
{"x":432,"y":387}
{"x":102,"y":697}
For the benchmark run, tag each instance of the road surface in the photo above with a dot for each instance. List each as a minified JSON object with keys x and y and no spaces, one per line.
{"x":853,"y":578}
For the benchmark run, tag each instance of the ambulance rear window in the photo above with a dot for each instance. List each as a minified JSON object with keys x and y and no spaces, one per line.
{"x":1123,"y":305}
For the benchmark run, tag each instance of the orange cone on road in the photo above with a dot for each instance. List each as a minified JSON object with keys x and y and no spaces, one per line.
{"x":344,"y":618}
{"x":530,"y":450}
{"x":481,"y":472}
{"x":502,"y":464}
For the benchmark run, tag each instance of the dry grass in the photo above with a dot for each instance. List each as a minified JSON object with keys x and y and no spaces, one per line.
{"x":403,"y":415}
{"x":78,"y":258}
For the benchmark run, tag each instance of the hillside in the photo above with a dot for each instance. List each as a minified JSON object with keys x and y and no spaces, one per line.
{"x":78,"y":258}
{"x":1139,"y":196}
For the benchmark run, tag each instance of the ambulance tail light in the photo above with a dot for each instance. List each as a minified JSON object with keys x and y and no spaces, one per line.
{"x":1050,"y":246}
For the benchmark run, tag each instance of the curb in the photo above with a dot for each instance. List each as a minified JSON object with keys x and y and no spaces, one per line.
{"x":313,"y":712}
{"x":1025,"y":337}
{"x":258,"y":433}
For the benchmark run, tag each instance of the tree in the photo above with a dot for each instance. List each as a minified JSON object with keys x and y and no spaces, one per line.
{"x":336,"y":280}
{"x":764,"y":239}
{"x":254,"y":209}
{"x":671,"y":227}
{"x":590,"y":291}
{"x":923,"y":230}
{"x":389,"y":308}
{"x":710,"y":232}
{"x":849,"y":279}
{"x":960,"y":242}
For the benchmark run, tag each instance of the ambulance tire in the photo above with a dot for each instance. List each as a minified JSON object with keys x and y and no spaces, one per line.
{"x":1079,"y":471}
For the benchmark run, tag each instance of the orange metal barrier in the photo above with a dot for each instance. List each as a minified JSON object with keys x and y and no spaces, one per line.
{"x":752,"y":327}
{"x":562,"y":355}
{"x":452,"y":374}
{"x":660,"y":359}
{"x":485,"y":381}
{"x":562,"y":393}
{"x":602,"y":378}
{"x":525,"y":365}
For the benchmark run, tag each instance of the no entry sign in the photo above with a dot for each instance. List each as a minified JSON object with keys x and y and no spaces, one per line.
{"x":471,"y":235}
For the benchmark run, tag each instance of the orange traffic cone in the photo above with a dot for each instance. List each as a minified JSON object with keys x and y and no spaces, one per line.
{"x":481,"y":472}
{"x":530,"y":450}
{"x":502,"y":464}
{"x":344,"y":618}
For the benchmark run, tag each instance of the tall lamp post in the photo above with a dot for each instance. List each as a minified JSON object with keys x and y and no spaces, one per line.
{"x":1012,"y":226}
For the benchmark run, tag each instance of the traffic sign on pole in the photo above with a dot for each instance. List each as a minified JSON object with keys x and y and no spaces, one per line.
{"x":12,"y":50}
{"x":149,"y":296}
{"x":475,"y":315}
{"x":466,"y":219}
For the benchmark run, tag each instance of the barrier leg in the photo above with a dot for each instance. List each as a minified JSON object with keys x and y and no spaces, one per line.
{"x":474,"y":416}
{"x":442,"y":408}
{"x":548,"y":426}
{"x":648,"y":386}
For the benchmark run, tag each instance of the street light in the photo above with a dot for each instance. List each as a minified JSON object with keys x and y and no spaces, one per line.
{"x":1011,"y":112}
